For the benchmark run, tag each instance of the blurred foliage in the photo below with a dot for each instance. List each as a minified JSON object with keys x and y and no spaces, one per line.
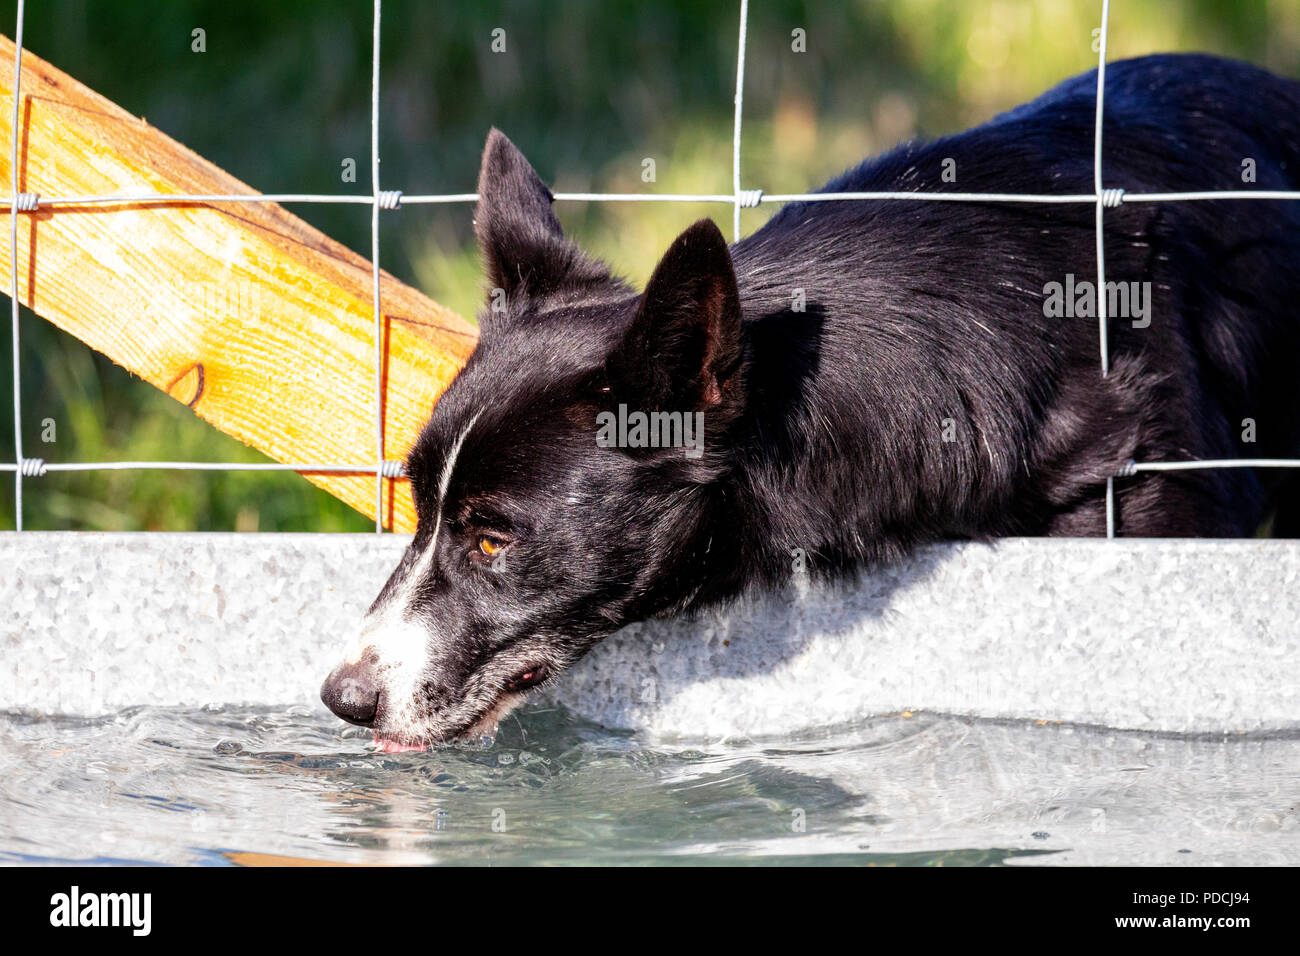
{"x":587,"y":88}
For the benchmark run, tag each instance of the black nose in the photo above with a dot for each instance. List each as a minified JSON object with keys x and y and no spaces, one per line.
{"x":351,"y":693}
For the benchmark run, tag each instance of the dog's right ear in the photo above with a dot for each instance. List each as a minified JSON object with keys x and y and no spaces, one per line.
{"x":523,"y":245}
{"x":682,"y":351}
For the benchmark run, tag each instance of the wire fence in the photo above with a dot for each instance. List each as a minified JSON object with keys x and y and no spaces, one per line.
{"x":1102,"y":198}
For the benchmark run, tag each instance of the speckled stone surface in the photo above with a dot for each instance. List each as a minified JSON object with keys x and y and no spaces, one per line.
{"x":1161,"y":635}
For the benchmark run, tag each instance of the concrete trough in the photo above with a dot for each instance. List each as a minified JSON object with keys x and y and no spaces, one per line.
{"x":1189,"y":636}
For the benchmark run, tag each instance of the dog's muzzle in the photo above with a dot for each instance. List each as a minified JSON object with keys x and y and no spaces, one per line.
{"x":352,"y":692}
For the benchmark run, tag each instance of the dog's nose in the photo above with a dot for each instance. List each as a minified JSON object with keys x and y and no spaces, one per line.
{"x":351,"y":692}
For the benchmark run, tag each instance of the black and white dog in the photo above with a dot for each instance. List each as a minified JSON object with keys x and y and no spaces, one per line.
{"x":868,"y":375}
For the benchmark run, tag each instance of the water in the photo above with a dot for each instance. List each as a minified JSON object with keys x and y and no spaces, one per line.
{"x":243,"y":785}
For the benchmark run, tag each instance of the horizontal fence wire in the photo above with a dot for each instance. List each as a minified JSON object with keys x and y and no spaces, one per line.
{"x":1111,"y":201}
{"x":35,"y":467}
{"x":1102,"y":198}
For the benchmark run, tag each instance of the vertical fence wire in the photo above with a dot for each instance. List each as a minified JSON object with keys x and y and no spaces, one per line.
{"x":1099,"y":189}
{"x":735,"y":130}
{"x":374,"y":272}
{"x":13,"y":277}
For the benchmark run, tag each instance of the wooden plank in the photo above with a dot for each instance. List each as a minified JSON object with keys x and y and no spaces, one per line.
{"x":260,"y":323}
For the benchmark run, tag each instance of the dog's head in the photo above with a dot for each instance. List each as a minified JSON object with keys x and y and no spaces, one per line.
{"x":570,"y":480}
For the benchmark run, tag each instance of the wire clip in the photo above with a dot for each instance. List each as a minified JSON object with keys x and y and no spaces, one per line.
{"x":1112,"y":198}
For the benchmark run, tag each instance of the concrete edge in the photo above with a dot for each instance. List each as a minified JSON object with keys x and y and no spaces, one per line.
{"x":1170,"y":635}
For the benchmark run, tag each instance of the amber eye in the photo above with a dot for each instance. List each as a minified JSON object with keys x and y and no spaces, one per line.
{"x":489,"y":545}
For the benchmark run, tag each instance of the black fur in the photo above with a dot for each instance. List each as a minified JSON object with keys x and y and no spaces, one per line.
{"x":824,"y":427}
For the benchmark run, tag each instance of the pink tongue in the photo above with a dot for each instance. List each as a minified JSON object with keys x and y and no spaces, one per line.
{"x":387,"y":746}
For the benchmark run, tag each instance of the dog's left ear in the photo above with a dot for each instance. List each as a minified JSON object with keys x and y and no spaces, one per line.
{"x":682,"y":351}
{"x":521,"y":239}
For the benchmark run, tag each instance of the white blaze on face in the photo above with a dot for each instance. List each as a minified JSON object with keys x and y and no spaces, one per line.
{"x":399,"y":649}
{"x":394,"y":636}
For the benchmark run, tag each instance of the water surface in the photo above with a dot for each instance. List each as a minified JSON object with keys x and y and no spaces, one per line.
{"x":246,"y":785}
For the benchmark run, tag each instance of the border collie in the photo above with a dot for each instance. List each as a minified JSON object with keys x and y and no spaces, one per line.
{"x":853,"y":380}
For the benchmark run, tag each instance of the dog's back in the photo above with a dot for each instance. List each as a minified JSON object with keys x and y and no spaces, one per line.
{"x":924,"y":313}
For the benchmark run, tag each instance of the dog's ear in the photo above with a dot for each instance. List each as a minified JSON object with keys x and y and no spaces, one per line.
{"x":523,"y":245}
{"x":682,"y":351}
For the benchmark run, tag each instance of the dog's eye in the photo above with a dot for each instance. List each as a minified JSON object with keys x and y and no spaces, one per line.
{"x":489,"y":545}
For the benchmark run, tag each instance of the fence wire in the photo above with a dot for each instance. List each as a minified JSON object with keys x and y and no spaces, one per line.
{"x":1102,"y":198}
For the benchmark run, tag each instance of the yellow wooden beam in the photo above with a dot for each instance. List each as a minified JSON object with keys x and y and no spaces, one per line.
{"x":260,"y":323}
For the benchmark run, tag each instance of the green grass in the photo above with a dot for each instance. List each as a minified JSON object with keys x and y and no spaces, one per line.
{"x":588,"y":89}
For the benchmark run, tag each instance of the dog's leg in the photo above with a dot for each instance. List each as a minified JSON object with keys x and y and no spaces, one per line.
{"x":1173,"y":505}
{"x":1285,"y":521}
